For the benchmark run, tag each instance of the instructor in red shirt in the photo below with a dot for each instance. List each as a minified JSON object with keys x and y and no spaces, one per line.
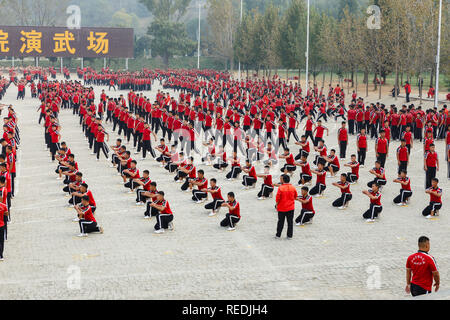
{"x":423,"y":269}
{"x":285,"y":206}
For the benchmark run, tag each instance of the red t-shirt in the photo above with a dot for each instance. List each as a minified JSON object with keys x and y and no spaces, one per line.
{"x":422,"y":266}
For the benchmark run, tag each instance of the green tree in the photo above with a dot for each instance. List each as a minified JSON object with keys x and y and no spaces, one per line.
{"x":292,"y":40}
{"x":168,"y":39}
{"x":167,"y":9}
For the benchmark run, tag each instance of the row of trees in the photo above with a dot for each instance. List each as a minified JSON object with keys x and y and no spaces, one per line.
{"x":405,"y":44}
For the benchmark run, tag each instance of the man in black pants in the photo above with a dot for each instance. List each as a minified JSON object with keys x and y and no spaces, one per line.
{"x":285,"y":199}
{"x":422,"y":268}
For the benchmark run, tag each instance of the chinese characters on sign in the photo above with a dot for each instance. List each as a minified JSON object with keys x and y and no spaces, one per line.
{"x":62,"y":42}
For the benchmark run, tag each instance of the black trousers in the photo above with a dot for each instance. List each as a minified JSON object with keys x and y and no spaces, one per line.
{"x":147,"y":146}
{"x":403,"y":196}
{"x":198,"y":195}
{"x":289,"y":217}
{"x":362,"y":156}
{"x":372,"y":212}
{"x":305,"y":216}
{"x":288,"y":168}
{"x":352,"y":177}
{"x":429,"y":174}
{"x":292,"y":131}
{"x":351,"y":126}
{"x":433,"y":206}
{"x":345,"y":198}
{"x":378,"y":181}
{"x":418,"y":290}
{"x":217,"y":203}
{"x":265,"y":191}
{"x":101,"y":146}
{"x":88,"y":226}
{"x":382,"y":159}
{"x":229,"y":221}
{"x":318,"y":189}
{"x":248,"y":181}
{"x":402,"y":166}
{"x":343,"y":149}
{"x":163,"y":221}
{"x":2,"y":240}
{"x":235,"y":171}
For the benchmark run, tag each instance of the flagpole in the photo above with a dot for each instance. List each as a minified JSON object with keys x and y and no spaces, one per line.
{"x":307,"y":49}
{"x":199,"y":25}
{"x":438,"y":56}
{"x":240,"y":59}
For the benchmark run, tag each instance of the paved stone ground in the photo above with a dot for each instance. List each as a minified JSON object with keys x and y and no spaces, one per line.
{"x":338,"y":257}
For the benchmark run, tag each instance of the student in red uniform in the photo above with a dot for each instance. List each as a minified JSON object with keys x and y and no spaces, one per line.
{"x":402,"y":157}
{"x":100,"y":143}
{"x":407,"y":135}
{"x":307,"y":213}
{"x":305,"y":148}
{"x":319,"y":130}
{"x":361,"y":145}
{"x":435,"y":200}
{"x":346,"y":195}
{"x":234,"y":214}
{"x":267,"y":186}
{"x":164,"y":217}
{"x":353,"y":177}
{"x":375,"y":203}
{"x":145,"y":182}
{"x":431,"y":165}
{"x":380,"y":175}
{"x":290,"y":166}
{"x":87,"y":222}
{"x":78,"y":195}
{"x":319,"y":188}
{"x":421,"y":270}
{"x":382,"y":148}
{"x":405,"y":192}
{"x":200,"y":195}
{"x":343,"y":140}
{"x":235,"y":167}
{"x":216,"y":193}
{"x":333,"y":165}
{"x":250,"y":179}
{"x":11,"y":161}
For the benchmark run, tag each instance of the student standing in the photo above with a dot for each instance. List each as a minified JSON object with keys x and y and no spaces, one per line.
{"x":431,"y":165}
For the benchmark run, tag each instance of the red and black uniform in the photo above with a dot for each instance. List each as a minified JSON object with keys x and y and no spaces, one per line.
{"x":405,"y":191}
{"x":307,"y":213}
{"x":431,"y":160}
{"x":435,"y":202}
{"x":88,"y":223}
{"x":233,"y":216}
{"x":375,"y":206}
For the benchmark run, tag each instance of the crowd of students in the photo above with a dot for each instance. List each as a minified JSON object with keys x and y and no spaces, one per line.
{"x":256,"y":119}
{"x":10,"y":144}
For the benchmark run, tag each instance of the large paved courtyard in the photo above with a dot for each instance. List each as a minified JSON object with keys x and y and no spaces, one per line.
{"x":337,"y":257}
